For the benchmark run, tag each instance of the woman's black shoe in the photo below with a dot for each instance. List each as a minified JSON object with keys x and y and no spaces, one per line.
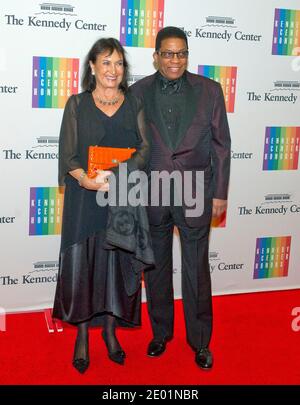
{"x":118,"y":356}
{"x":81,"y":364}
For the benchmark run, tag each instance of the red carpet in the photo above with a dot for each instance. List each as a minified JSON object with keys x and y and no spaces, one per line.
{"x":253,"y":343}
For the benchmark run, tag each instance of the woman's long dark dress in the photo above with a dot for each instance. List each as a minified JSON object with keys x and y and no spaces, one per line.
{"x":86,"y":289}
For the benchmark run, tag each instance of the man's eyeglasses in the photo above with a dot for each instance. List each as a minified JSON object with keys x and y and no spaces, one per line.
{"x":171,"y":55}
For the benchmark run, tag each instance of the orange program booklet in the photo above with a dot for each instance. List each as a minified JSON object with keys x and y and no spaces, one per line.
{"x":106,"y":157}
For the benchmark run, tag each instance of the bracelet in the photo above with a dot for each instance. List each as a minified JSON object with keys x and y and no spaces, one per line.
{"x":81,"y":177}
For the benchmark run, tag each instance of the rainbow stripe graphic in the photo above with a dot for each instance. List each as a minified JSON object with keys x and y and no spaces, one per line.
{"x":219,"y":222}
{"x":272,"y":256}
{"x":281,"y":150}
{"x":286,"y":33}
{"x":226,"y":76}
{"x":45,"y":212}
{"x":140,"y":22}
{"x":54,"y":80}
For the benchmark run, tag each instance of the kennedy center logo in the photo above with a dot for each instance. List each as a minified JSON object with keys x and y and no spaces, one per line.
{"x":45,"y":210}
{"x":272,"y":256}
{"x":226,"y":76}
{"x":140,"y":22}
{"x":54,"y":80}
{"x":281,"y":151}
{"x":286,"y":32}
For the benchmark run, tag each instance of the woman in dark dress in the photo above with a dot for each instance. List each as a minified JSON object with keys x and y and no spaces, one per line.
{"x":90,"y":288}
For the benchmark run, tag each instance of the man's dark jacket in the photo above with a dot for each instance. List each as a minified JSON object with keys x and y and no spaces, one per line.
{"x":203,"y":143}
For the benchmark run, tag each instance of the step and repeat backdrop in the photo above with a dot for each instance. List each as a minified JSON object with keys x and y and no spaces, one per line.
{"x":251,"y":47}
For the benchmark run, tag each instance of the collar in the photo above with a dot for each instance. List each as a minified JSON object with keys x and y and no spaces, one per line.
{"x":170,"y":86}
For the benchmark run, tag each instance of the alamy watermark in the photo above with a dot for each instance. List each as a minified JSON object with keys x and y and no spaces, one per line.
{"x":2,"y":320}
{"x":165,"y":189}
{"x":296,"y":321}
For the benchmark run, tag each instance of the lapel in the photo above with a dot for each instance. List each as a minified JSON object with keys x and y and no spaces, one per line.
{"x":188,"y":112}
{"x":154,"y":113}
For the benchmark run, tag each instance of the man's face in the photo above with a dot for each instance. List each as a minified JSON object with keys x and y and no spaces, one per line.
{"x":171,"y":66}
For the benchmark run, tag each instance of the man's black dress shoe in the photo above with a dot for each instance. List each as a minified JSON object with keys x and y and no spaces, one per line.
{"x":156,"y":347}
{"x":204,"y":358}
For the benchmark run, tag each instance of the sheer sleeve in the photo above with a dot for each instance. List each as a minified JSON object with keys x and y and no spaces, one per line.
{"x":68,"y":158}
{"x":140,"y":159}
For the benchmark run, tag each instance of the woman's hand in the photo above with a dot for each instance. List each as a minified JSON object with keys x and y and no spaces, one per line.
{"x":89,"y":184}
{"x":102,"y":179}
{"x":100,"y":182}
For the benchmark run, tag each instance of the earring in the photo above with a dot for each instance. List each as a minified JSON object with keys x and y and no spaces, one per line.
{"x":93,"y":73}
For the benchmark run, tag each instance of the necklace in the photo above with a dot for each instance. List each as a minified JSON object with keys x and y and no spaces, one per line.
{"x":108,"y":102}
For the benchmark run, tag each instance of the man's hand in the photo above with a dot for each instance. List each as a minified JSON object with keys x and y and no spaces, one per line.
{"x":219,"y":206}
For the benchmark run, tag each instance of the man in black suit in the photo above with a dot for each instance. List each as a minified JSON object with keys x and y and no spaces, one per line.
{"x":187,"y":115}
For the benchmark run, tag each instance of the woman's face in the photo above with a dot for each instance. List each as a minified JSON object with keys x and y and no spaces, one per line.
{"x":109,"y":70}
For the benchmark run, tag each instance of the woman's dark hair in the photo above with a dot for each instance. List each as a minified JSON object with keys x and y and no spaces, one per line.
{"x":103,"y":45}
